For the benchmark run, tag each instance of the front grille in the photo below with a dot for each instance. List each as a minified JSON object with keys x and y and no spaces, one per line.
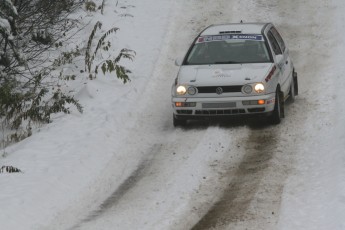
{"x":220,"y":112}
{"x":226,"y":89}
{"x":256,"y":110}
{"x":186,"y":112}
{"x":218,"y":105}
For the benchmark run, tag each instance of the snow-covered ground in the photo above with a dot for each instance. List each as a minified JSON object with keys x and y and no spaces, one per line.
{"x":122,"y":165}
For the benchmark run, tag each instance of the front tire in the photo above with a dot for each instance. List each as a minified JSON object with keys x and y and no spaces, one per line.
{"x":178,"y":122}
{"x":278,"y":112}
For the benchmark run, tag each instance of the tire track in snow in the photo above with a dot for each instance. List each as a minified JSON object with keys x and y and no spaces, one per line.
{"x":148,"y":117}
{"x":236,"y":203}
{"x":127,"y":185}
{"x":124,"y":187}
{"x":244,"y":184}
{"x":252,"y":201}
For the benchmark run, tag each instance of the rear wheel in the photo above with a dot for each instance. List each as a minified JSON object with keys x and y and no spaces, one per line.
{"x":295,"y":82}
{"x":293,"y":87}
{"x":292,"y":93}
{"x":178,"y":122}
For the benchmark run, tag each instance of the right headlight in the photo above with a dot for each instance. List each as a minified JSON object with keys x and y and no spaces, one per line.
{"x":192,"y":90}
{"x":181,"y":90}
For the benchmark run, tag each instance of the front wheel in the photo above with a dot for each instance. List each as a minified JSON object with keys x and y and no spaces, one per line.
{"x":278,"y":112}
{"x":178,"y":122}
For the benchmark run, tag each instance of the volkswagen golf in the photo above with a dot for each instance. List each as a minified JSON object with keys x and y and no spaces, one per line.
{"x":234,"y":70}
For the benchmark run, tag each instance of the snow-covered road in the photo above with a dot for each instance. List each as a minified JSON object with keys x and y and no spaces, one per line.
{"x":226,"y":176}
{"x":233,"y":175}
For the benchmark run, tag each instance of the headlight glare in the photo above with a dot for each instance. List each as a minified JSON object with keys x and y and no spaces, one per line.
{"x":259,"y":88}
{"x":181,"y":90}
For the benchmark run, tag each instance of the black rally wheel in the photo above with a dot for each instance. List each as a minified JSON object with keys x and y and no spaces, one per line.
{"x":278,"y":112}
{"x":178,"y":122}
{"x":295,"y":79}
{"x":292,"y":93}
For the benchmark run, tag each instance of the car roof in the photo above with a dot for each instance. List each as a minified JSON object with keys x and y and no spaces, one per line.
{"x":244,"y":28}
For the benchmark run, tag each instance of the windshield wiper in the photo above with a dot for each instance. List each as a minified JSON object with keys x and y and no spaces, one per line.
{"x":227,"y":62}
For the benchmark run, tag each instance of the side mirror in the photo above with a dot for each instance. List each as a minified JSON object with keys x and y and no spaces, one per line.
{"x":178,"y":62}
{"x":279,"y":58}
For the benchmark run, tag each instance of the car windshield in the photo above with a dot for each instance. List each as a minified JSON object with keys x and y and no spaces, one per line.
{"x":228,"y":49}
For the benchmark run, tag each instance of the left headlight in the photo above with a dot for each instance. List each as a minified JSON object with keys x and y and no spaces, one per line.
{"x":259,"y":88}
{"x":247,"y":89}
{"x":254,"y":88}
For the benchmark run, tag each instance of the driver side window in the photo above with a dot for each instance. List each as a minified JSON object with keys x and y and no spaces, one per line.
{"x":274,"y":43}
{"x":278,"y":38}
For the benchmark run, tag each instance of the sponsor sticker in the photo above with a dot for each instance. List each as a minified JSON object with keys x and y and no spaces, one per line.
{"x":211,"y":38}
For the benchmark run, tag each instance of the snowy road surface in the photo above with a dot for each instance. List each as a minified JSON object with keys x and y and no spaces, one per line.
{"x":232,"y":175}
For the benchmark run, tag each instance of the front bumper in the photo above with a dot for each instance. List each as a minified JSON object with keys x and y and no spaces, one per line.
{"x":223,"y":106}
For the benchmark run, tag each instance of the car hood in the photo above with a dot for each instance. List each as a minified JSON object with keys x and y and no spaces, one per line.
{"x":214,"y":75}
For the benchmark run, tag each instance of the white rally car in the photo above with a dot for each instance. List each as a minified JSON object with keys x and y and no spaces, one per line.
{"x":234,"y":69}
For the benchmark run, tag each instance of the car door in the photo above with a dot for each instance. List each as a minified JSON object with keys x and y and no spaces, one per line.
{"x":288,"y":69}
{"x":281,"y":58}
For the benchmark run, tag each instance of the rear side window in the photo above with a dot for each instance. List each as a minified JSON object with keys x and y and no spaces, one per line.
{"x":278,"y":38}
{"x":274,"y":43}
